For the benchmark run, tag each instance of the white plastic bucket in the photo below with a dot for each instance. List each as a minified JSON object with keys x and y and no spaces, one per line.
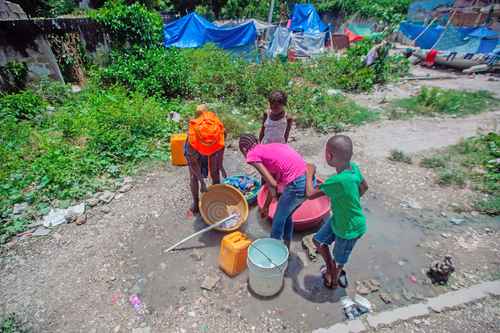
{"x":267,"y":261}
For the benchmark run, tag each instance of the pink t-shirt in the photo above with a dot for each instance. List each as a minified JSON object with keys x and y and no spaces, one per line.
{"x":282,"y":161}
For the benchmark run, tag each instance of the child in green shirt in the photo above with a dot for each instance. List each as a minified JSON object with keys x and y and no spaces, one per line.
{"x":347,"y":223}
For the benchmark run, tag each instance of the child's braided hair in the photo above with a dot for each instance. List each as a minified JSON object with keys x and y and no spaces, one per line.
{"x":247,"y":142}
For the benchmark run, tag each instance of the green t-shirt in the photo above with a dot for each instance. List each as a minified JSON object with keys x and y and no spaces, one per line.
{"x":348,"y":221}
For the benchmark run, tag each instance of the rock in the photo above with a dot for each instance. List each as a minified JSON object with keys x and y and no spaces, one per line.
{"x":146,"y":329}
{"x":410,"y":203}
{"x":106,"y":197}
{"x":20,"y":208}
{"x":128,"y":180}
{"x":443,"y":214}
{"x":385,"y":298}
{"x":75,"y":89}
{"x":196,"y":255}
{"x":41,"y":231}
{"x":474,"y":213}
{"x":361,"y":288}
{"x":73,"y":212}
{"x":117,"y":329}
{"x":92,"y":202}
{"x":456,"y":221}
{"x":82,"y":219}
{"x":125,"y":188}
{"x":445,"y":235}
{"x":210,"y":282}
{"x":105,"y":209}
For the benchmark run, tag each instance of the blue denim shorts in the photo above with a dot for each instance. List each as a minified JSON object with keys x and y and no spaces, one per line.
{"x":342,"y":248}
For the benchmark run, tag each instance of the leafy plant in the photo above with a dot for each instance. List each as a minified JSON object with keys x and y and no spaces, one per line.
{"x":13,"y":74}
{"x":130,"y":24}
{"x":10,"y":324}
{"x":153,"y":71}
{"x":433,"y":101}
{"x":473,"y":161}
{"x":399,"y":156}
{"x":21,"y":106}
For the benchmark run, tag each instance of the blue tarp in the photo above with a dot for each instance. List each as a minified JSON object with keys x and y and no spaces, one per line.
{"x":305,"y":18}
{"x":194,"y":31}
{"x":486,"y":39}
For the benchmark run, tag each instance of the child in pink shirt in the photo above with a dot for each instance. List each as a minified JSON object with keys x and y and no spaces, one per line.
{"x":284,"y":171}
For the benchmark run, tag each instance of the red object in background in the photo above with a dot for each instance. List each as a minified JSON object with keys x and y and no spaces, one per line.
{"x":430,"y":57}
{"x":289,"y":24}
{"x":309,"y":215}
{"x":292,"y":55}
{"x":352,"y":36}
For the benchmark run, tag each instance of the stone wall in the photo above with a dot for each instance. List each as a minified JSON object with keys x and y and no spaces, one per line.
{"x":25,"y":40}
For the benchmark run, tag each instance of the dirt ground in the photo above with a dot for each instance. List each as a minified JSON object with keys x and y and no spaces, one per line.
{"x":79,"y":278}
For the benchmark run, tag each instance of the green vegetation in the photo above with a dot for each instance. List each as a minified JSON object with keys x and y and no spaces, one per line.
{"x":437,"y":101}
{"x":476,"y":162}
{"x":399,"y":156}
{"x":78,"y":149}
{"x":58,"y":147}
{"x":13,"y":75}
{"x":10,"y":324}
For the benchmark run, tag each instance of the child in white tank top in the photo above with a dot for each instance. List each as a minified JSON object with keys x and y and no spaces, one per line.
{"x":276,"y":124}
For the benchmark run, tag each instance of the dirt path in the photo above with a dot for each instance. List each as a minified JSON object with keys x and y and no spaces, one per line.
{"x":79,"y":278}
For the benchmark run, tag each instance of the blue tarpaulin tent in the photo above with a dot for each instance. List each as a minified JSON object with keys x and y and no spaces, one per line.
{"x":194,"y":31}
{"x":458,"y":39}
{"x":305,"y":18}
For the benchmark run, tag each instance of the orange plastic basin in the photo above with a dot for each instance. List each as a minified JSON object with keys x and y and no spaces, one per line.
{"x":233,"y":253}
{"x":309,"y":215}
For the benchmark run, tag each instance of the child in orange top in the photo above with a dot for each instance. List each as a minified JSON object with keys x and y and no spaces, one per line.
{"x":204,"y":151}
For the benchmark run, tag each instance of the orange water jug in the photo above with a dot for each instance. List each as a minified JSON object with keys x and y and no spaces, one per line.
{"x":233,"y":253}
{"x":177,"y":142}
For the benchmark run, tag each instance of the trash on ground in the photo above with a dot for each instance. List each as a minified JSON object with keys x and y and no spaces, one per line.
{"x":363,"y":302}
{"x":412,"y":279}
{"x":41,"y":231}
{"x":136,"y":303}
{"x":308,"y":245}
{"x":19,"y":208}
{"x":439,"y":272}
{"x":456,"y":221}
{"x":210,"y":282}
{"x":352,"y":310}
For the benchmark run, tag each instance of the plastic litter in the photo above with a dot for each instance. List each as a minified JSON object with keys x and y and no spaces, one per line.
{"x":136,"y":303}
{"x":363,"y":303}
{"x":350,"y":308}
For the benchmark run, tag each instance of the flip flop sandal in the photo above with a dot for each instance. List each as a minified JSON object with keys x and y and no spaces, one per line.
{"x":328,"y":285}
{"x":342,"y":280}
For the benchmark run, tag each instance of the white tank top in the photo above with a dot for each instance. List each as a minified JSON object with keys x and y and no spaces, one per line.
{"x":274,"y":130}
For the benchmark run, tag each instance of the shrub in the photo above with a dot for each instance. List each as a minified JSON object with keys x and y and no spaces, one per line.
{"x":133,"y":24}
{"x":22,"y":106}
{"x":14,"y":75}
{"x":449,"y":177}
{"x":431,"y":101}
{"x":432,"y":162}
{"x":154,"y":71}
{"x":10,"y":324}
{"x":399,"y":156}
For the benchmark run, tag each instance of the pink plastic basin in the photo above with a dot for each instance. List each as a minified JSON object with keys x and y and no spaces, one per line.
{"x":309,"y":215}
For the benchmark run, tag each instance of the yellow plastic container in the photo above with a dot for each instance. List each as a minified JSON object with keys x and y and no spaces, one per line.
{"x":233,"y":253}
{"x":177,"y":142}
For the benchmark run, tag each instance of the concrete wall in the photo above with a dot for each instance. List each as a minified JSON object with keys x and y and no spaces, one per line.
{"x":23,"y":39}
{"x":32,"y":49}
